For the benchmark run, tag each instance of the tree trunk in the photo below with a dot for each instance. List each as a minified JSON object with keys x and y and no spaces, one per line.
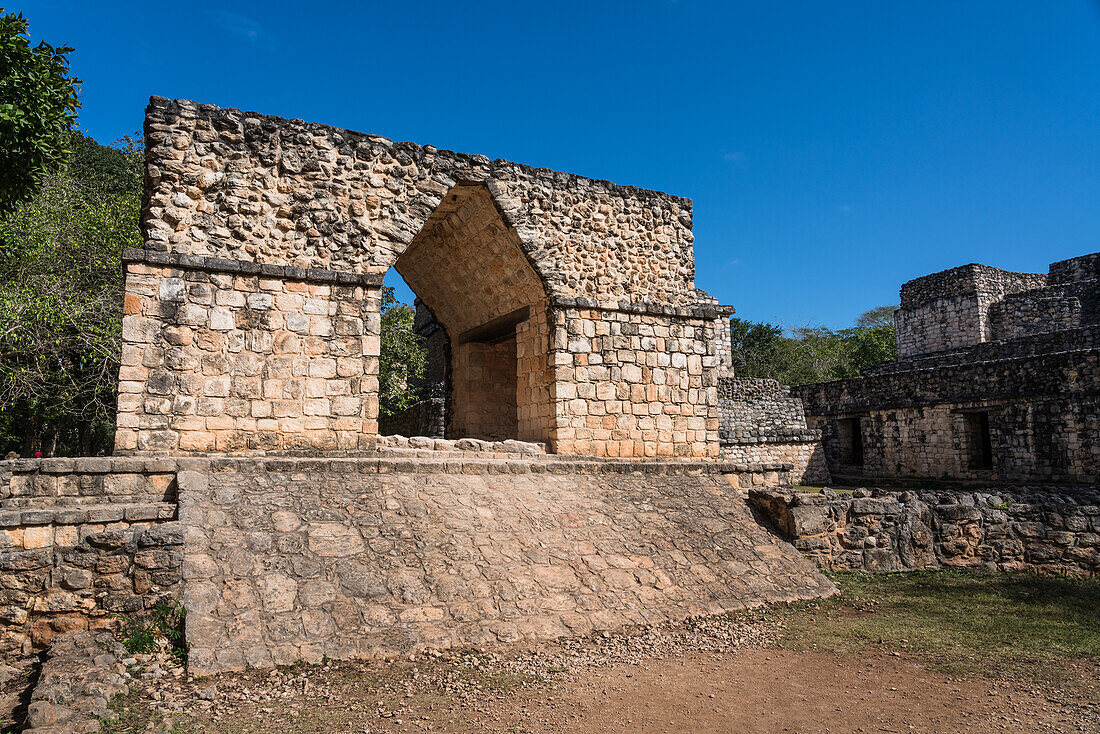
{"x":84,"y":436}
{"x":49,"y":444}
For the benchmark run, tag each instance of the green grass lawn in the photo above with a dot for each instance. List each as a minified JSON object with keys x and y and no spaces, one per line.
{"x":1046,"y":629}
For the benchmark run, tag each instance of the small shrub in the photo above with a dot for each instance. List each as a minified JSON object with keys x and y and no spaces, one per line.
{"x":141,"y":635}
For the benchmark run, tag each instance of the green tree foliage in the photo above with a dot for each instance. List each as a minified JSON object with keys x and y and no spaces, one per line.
{"x":38,"y":105}
{"x":813,"y":354}
{"x":61,"y":301}
{"x":402,"y":358}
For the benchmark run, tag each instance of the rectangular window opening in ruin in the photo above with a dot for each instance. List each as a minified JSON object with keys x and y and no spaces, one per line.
{"x":979,"y":441}
{"x":850,"y":441}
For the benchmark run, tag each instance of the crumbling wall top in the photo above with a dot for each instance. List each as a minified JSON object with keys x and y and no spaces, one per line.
{"x":967,"y":279}
{"x":256,"y":188}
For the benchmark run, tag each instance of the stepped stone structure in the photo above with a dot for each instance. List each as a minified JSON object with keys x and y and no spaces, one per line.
{"x":997,"y":378}
{"x":760,"y":421}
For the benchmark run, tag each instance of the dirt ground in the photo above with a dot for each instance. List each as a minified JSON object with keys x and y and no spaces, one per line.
{"x":724,"y":675}
{"x":769,"y":691}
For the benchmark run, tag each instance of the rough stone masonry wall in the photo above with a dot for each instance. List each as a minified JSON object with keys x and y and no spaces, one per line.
{"x":1049,"y":530}
{"x":223,"y":361}
{"x":950,"y":309}
{"x":300,"y":559}
{"x":81,"y":540}
{"x":250,"y":187}
{"x":484,"y":396}
{"x":760,"y":422}
{"x":1056,"y":308}
{"x":1043,"y":413}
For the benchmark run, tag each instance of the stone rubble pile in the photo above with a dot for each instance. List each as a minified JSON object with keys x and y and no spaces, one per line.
{"x":82,"y":673}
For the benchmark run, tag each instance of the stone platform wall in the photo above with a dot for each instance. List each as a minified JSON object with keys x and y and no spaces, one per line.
{"x":1048,"y":530}
{"x":81,"y":540}
{"x":803,"y":452}
{"x":299,"y":559}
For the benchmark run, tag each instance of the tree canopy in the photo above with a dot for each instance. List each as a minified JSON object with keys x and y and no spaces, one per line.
{"x":61,"y":300}
{"x":807,"y":354}
{"x":38,"y":104}
{"x":402,"y":358}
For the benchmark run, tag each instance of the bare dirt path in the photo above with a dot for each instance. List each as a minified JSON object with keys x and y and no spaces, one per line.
{"x":758,"y":691}
{"x":935,"y":652}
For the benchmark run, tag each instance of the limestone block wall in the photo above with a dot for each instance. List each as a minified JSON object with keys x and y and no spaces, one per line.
{"x":216,"y":360}
{"x":1046,"y":530}
{"x":759,"y":421}
{"x":633,"y":383}
{"x":300,"y":559}
{"x":82,"y":540}
{"x":484,"y":394}
{"x":1042,"y":412}
{"x":805,"y":457}
{"x":534,"y":375}
{"x":755,"y":409}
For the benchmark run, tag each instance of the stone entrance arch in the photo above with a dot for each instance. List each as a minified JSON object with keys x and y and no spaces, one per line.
{"x":252,"y":314}
{"x":468,"y":267}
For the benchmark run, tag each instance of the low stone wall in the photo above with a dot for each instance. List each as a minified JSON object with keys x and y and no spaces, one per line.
{"x":297,"y":559}
{"x":1045,"y":530}
{"x":81,"y":540}
{"x":759,"y":421}
{"x":81,"y":674}
{"x":803,"y":452}
{"x":424,"y":418}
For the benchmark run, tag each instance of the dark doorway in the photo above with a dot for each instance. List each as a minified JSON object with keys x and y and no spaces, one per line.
{"x":979,"y":441}
{"x":850,"y":440}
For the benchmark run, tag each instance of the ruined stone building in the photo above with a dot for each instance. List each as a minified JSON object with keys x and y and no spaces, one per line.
{"x":997,"y":378}
{"x":585,"y":450}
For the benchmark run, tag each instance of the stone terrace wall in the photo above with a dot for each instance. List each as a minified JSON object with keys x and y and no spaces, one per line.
{"x":299,"y":559}
{"x":1043,"y":412}
{"x":1049,"y":530}
{"x":82,"y":539}
{"x":757,"y":409}
{"x":1056,"y":308}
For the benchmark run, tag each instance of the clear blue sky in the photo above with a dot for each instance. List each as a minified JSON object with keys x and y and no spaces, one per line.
{"x":833,"y":149}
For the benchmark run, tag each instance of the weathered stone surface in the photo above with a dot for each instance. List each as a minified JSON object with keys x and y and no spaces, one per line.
{"x":1008,"y":529}
{"x":81,"y":674}
{"x":253,"y":320}
{"x":998,"y":379}
{"x":108,"y":546}
{"x":362,"y":564}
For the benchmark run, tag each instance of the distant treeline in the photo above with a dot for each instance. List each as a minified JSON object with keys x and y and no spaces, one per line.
{"x":800,"y":355}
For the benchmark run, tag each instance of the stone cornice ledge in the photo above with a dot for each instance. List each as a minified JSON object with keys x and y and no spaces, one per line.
{"x":649,"y":308}
{"x":243,"y":267}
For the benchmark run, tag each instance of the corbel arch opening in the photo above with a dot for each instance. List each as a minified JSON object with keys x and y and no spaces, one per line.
{"x":476,"y":285}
